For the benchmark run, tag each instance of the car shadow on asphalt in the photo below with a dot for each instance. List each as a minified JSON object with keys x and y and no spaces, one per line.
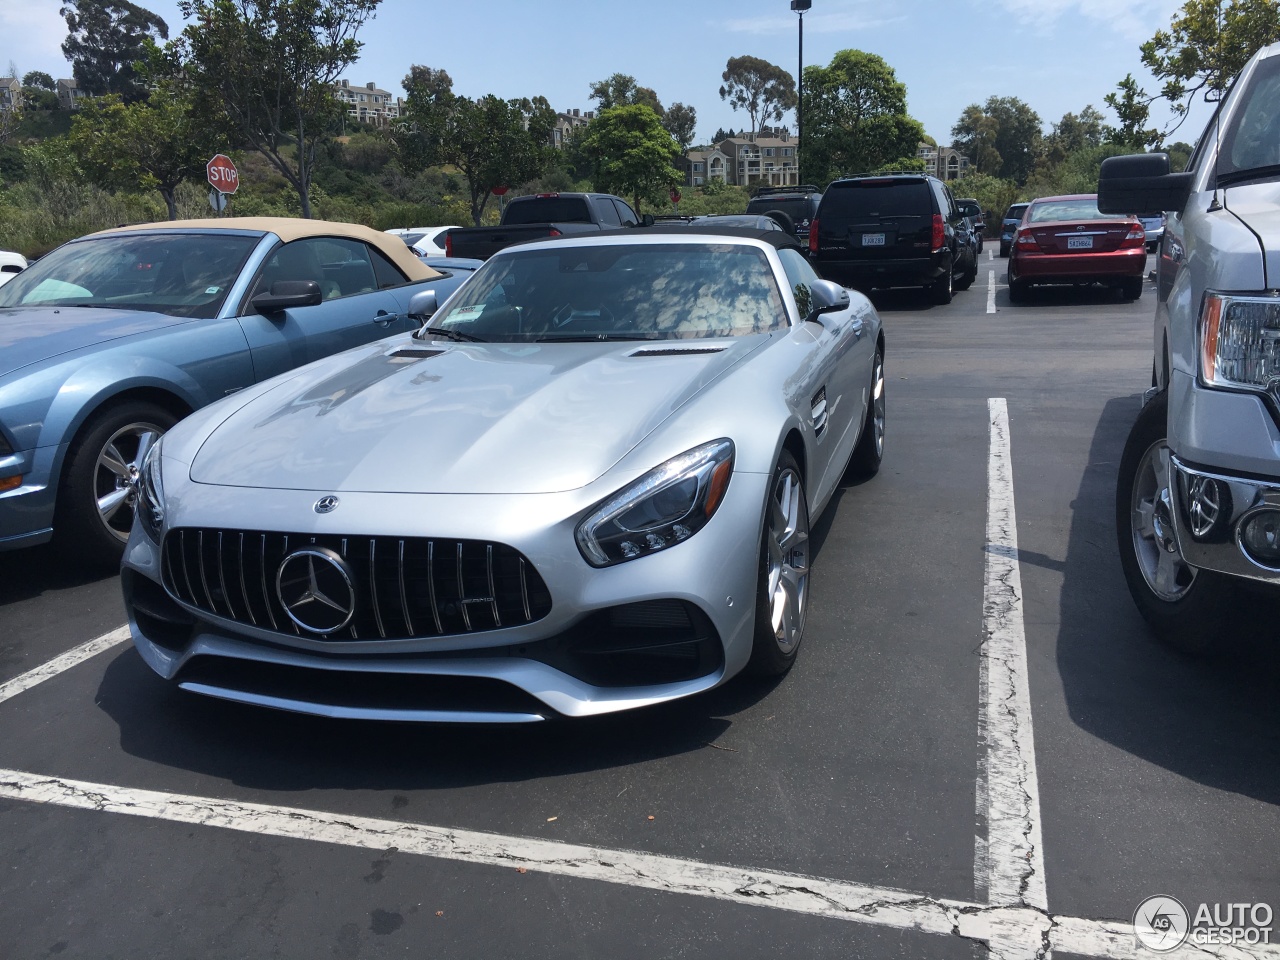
{"x":33,"y":571}
{"x":1211,"y":719}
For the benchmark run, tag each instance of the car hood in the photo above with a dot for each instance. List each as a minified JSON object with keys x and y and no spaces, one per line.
{"x":1258,"y":206}
{"x":31,"y":334}
{"x":412,"y":417}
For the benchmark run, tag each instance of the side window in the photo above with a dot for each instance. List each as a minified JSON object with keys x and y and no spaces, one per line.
{"x":607,"y":212}
{"x":386,"y":273}
{"x":629,"y":218}
{"x":341,"y":267}
{"x":800,"y":277}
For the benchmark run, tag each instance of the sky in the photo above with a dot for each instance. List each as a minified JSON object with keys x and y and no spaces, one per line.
{"x":1056,"y":55}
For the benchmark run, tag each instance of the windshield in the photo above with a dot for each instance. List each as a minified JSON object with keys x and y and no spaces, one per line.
{"x":1015,"y":212}
{"x":642,"y":291}
{"x":1251,"y":140}
{"x":799,"y":210}
{"x":182,"y":275}
{"x":548,"y":210}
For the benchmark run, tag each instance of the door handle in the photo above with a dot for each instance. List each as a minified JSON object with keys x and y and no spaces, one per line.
{"x":382,"y":318}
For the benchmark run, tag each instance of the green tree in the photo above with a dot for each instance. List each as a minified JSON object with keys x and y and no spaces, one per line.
{"x":621,"y":90}
{"x":38,"y":80}
{"x":680,"y":121}
{"x":1003,"y":127}
{"x":271,"y":65}
{"x":1207,"y":44}
{"x":632,"y":154}
{"x":492,"y":142}
{"x":1132,"y":107}
{"x":157,"y":143}
{"x":105,"y":38}
{"x":856,"y":118}
{"x":765,"y":91}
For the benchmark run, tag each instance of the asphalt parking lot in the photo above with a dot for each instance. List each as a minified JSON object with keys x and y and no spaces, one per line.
{"x":981,"y":750}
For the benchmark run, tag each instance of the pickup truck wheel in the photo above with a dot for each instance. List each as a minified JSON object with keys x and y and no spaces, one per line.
{"x":1186,"y":607}
{"x":782,"y":590}
{"x":98,"y":492}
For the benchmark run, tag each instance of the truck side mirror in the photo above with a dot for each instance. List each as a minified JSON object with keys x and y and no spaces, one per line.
{"x":1141,"y":181}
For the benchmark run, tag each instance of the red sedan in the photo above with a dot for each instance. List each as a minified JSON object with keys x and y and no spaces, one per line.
{"x":1066,"y":240}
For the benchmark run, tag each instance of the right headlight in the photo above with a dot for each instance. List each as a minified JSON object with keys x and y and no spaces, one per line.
{"x":150,"y":507}
{"x":1240,"y":341}
{"x":666,"y":506}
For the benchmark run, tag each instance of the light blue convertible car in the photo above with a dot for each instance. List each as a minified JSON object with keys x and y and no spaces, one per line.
{"x":111,"y":339}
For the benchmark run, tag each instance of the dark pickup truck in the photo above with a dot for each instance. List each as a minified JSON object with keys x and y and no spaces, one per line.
{"x":544,"y":215}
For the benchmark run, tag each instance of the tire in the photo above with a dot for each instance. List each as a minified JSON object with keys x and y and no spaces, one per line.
{"x":1004,"y":250}
{"x":970,"y":275}
{"x":942,"y":290}
{"x":782,"y":587}
{"x":1131,"y":289}
{"x":94,"y":511}
{"x":783,"y":220}
{"x":1018,"y":289}
{"x":1187,"y":608}
{"x":867,"y":456}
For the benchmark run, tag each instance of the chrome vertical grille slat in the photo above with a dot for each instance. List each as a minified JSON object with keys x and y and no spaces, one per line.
{"x":484,"y":586}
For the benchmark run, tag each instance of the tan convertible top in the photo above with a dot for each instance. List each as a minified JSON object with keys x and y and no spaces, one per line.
{"x":295,"y":228}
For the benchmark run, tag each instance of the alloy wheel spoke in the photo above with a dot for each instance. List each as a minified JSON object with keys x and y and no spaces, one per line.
{"x":109,"y":505}
{"x":114,"y":461}
{"x":146,"y":440}
{"x":1144,"y":519}
{"x":1167,"y":568}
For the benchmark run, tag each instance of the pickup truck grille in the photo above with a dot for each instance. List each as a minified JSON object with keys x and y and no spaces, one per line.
{"x":400,"y":587}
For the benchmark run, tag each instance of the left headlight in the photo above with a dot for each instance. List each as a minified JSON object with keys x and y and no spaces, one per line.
{"x":666,"y":506}
{"x":1240,"y":341}
{"x":151,"y":494}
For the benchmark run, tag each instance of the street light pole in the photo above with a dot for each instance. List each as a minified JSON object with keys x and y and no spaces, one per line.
{"x":800,"y":6}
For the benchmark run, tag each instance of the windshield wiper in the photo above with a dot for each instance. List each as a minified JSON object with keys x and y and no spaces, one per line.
{"x":598,"y":337}
{"x":1253,"y":173}
{"x":446,"y":334}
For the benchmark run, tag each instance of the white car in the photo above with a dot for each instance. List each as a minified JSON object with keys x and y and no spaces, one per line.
{"x":424,"y":241}
{"x":11,"y":264}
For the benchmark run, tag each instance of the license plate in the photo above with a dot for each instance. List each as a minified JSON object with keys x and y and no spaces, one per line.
{"x":873,"y":239}
{"x":1079,"y":243}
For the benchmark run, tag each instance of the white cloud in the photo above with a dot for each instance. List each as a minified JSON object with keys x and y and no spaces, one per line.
{"x":1131,"y":19}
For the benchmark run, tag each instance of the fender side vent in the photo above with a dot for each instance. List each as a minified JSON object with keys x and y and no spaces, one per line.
{"x":674,"y":351}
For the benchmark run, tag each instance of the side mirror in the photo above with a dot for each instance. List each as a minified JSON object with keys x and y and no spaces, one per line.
{"x":826,"y":296}
{"x":422,"y":305}
{"x":286,"y":295}
{"x":646,"y":220}
{"x":1141,"y":181}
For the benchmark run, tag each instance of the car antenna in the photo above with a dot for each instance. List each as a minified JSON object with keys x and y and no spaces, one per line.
{"x":1215,"y":204}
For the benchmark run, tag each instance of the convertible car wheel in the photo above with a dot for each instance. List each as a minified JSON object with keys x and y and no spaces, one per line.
{"x":868,"y":454}
{"x":782,"y":596}
{"x":100,"y":484}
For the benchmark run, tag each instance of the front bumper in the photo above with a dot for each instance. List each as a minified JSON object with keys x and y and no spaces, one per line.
{"x":513,"y":674}
{"x":1214,"y":541}
{"x":26,"y":512}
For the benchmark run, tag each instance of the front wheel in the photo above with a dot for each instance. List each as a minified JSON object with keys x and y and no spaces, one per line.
{"x":782,"y":590}
{"x":99,"y":488}
{"x":1187,"y":608}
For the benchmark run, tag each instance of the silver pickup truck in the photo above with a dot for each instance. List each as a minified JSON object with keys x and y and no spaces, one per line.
{"x":1198,"y":497}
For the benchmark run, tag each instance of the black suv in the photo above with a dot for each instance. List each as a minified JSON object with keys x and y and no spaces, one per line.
{"x":797,"y":206}
{"x":893,"y":230}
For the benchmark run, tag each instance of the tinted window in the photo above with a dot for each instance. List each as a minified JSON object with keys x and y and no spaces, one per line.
{"x":878,"y":198}
{"x":341,"y":267}
{"x":968,"y":208}
{"x":797,"y":208}
{"x":548,"y":210}
{"x":641,"y":291}
{"x":629,"y":218}
{"x":1015,"y":212}
{"x":182,"y":275}
{"x":607,"y":212}
{"x":801,"y":277}
{"x":1252,"y":138}
{"x":385,"y":272}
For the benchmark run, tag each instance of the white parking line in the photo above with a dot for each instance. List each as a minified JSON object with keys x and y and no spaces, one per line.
{"x":991,"y":291}
{"x":47,"y":671}
{"x":795,"y":893}
{"x":991,"y":255}
{"x":1011,"y":867}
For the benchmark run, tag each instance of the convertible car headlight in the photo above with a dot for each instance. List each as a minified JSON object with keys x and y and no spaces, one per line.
{"x":666,"y":506}
{"x":1240,"y":341}
{"x":151,"y":494}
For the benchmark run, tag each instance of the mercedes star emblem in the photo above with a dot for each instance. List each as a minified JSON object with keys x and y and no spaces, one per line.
{"x":326,"y":504}
{"x":317,"y":590}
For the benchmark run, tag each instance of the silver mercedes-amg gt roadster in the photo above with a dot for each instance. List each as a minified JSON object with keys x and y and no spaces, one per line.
{"x":584,"y":485}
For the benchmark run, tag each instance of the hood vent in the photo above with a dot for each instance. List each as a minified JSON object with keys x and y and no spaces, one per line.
{"x":674,"y":351}
{"x":409,"y":354}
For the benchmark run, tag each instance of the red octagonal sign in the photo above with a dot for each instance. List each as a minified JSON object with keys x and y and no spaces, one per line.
{"x":223,"y":175}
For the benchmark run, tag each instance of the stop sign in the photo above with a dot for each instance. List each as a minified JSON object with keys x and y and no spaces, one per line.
{"x":223,"y":175}
{"x":675,"y":196}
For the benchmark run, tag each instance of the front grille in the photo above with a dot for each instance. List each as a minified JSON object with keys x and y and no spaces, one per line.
{"x":403,"y":587}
